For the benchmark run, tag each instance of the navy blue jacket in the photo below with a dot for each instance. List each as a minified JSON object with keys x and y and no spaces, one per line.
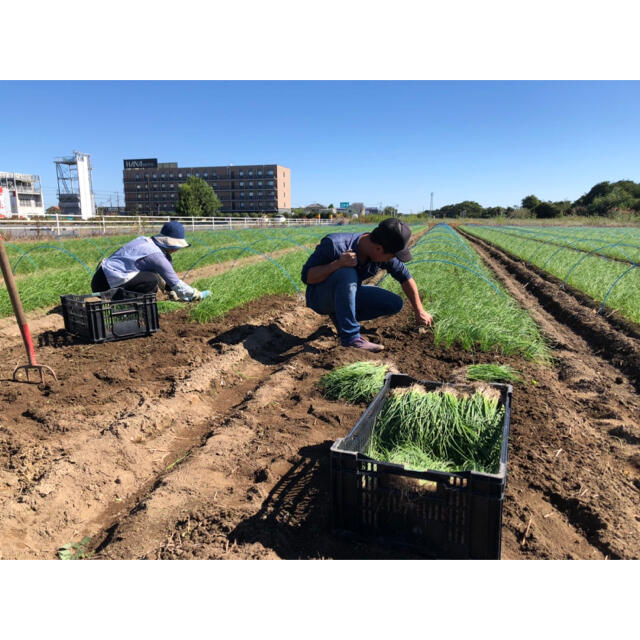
{"x":333,"y":245}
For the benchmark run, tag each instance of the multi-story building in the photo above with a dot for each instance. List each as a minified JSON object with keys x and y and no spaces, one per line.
{"x":151,"y":187}
{"x":20,"y":195}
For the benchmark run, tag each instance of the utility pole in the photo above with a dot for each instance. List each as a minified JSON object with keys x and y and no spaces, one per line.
{"x":431,"y":205}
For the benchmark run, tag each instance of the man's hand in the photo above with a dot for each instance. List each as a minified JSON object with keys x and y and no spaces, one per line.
{"x":348,"y":259}
{"x":423,"y":318}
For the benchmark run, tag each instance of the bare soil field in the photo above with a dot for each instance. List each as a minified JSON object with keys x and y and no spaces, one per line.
{"x":212,"y":441}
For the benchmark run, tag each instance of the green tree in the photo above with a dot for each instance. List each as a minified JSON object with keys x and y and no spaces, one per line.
{"x":547,"y":210}
{"x":389,"y":212}
{"x":530,"y":202}
{"x":196,"y":198}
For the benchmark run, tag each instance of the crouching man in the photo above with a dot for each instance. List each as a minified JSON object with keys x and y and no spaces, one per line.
{"x":146,"y":263}
{"x":336,"y":269}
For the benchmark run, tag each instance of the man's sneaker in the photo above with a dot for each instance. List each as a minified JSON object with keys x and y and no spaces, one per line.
{"x":361,"y":343}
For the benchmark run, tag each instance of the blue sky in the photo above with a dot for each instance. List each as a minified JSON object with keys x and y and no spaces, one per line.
{"x":389,"y":142}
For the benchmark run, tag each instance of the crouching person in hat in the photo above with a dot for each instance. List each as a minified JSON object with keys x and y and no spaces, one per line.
{"x":145,"y":263}
{"x":342,"y":261}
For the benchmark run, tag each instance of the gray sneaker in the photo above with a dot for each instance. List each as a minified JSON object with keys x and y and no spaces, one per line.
{"x":361,"y":343}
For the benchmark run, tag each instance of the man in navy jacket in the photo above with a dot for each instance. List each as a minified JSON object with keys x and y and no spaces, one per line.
{"x":342,"y":261}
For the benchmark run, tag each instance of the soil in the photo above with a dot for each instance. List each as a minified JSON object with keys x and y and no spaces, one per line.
{"x":212,"y":440}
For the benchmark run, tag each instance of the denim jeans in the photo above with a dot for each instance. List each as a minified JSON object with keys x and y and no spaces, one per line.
{"x":348,"y":302}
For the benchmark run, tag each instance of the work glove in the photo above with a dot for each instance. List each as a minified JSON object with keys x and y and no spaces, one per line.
{"x":200,"y":295}
{"x":173,"y":295}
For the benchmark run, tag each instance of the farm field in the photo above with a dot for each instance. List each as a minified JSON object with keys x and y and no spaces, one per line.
{"x":210,"y":439}
{"x":602,"y":263}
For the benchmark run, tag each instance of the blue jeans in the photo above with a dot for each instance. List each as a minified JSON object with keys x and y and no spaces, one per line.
{"x":347,"y":301}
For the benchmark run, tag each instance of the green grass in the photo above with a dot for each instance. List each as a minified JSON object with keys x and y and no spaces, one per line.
{"x":354,"y":383}
{"x":439,"y":430}
{"x":493,"y":373}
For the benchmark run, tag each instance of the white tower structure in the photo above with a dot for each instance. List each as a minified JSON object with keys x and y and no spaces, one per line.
{"x":75,"y":189}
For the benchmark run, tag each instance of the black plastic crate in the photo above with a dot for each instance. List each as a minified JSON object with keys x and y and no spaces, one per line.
{"x":439,"y":514}
{"x":116,"y":314}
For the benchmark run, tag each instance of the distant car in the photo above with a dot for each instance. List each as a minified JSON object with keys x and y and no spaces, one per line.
{"x":280,"y":219}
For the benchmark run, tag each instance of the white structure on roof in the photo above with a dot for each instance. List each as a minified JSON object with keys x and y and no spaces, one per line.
{"x":75,"y":189}
{"x":20,"y":195}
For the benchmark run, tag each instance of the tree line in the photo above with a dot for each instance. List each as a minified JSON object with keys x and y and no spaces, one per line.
{"x":609,"y":199}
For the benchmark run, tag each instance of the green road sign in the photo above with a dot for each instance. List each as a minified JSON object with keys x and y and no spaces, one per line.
{"x":344,"y":205}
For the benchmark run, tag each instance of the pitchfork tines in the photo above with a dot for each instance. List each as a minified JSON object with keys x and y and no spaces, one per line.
{"x":40,"y":368}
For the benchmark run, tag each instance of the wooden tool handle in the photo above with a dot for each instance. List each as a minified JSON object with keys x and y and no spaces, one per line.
{"x":11,"y":286}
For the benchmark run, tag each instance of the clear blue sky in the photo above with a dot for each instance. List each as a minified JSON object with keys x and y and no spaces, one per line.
{"x":390,"y":142}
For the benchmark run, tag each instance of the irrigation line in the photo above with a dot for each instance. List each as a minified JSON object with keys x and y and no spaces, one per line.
{"x":622,"y":275}
{"x":444,"y":253}
{"x":286,"y":273}
{"x":443,"y":241}
{"x":50,"y":246}
{"x":455,"y":264}
{"x":23,"y":252}
{"x":590,"y":253}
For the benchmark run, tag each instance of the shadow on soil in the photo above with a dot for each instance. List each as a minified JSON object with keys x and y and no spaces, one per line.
{"x":295,"y":518}
{"x":270,"y":344}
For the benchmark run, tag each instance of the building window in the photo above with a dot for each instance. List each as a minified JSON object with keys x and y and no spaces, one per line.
{"x":171,"y":176}
{"x":250,"y":173}
{"x":137,"y":186}
{"x":251,"y":194}
{"x":242,"y":204}
{"x":188,"y":175}
{"x":137,"y":176}
{"x":242,"y":194}
{"x":155,"y":176}
{"x":197,"y":175}
{"x":241,"y":184}
{"x":164,"y":196}
{"x":139,"y":196}
{"x":163,"y":185}
{"x":171,"y":186}
{"x":162,"y":176}
{"x":260,"y":183}
{"x":179,"y":175}
{"x":270,"y":172}
{"x":173,"y":195}
{"x":270,"y":183}
{"x":241,"y":173}
{"x":251,"y":184}
{"x":259,"y":194}
{"x":205,"y":175}
{"x":259,"y":172}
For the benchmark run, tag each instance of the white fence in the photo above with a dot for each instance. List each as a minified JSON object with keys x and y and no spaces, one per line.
{"x":63,"y":225}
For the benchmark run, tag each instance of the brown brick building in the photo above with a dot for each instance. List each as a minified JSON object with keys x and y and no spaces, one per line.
{"x":151,"y":187}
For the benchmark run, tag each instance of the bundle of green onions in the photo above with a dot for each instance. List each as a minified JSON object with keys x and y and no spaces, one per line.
{"x":354,"y":383}
{"x":439,"y":430}
{"x":493,"y":373}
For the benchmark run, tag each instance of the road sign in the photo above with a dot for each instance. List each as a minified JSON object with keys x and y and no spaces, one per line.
{"x":344,"y":205}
